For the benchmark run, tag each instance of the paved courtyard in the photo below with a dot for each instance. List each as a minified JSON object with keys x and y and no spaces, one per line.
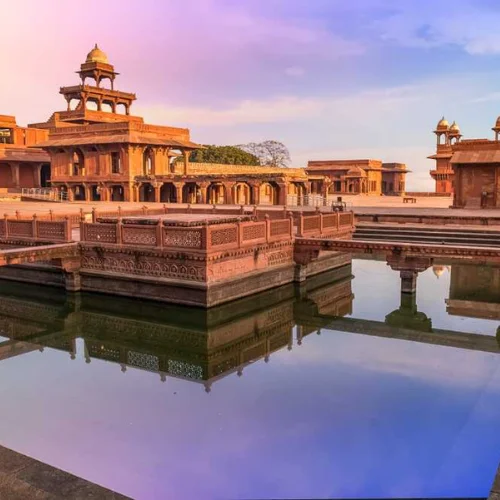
{"x":360,"y":204}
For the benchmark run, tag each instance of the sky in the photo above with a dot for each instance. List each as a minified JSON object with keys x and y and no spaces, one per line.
{"x":331,"y":79}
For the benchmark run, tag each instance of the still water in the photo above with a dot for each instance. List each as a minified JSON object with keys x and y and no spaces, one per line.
{"x":340,"y":390}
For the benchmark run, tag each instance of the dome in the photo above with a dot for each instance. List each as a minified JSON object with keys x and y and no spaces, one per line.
{"x":356,"y":172}
{"x":497,"y":124}
{"x":443,"y":124}
{"x":455,"y":128}
{"x":97,"y":55}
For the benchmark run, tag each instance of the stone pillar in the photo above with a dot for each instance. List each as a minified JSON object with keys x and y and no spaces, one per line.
{"x":88,"y":192}
{"x":203,"y":191}
{"x":157,"y":188}
{"x":186,"y":161}
{"x":282,"y":195}
{"x":37,"y":175}
{"x":228,"y":198}
{"x":408,"y":281}
{"x":256,"y":193}
{"x":178,"y":188}
{"x":408,"y":268}
{"x":72,"y":278}
{"x":15,"y":174}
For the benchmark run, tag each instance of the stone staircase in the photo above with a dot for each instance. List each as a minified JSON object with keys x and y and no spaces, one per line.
{"x":424,"y":233}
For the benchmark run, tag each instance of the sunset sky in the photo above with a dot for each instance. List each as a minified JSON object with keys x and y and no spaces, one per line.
{"x":331,"y":79}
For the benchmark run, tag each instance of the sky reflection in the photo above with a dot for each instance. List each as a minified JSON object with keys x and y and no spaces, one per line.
{"x":342,"y":415}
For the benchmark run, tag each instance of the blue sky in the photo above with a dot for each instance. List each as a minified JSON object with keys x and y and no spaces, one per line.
{"x":331,"y":79}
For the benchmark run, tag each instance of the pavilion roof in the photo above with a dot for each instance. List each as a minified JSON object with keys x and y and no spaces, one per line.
{"x":127,"y":138}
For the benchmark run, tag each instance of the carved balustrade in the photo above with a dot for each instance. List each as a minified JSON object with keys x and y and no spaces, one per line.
{"x":324,"y":225}
{"x":206,"y":237}
{"x":35,"y":229}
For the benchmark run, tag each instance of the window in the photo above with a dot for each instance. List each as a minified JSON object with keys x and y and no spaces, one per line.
{"x":6,"y":136}
{"x":115,"y":163}
{"x":78,"y":163}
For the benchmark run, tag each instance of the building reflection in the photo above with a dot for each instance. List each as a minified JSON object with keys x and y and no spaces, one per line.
{"x":474,"y":291}
{"x":205,"y":345}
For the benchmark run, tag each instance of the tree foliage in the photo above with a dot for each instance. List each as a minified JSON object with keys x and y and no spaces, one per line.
{"x":270,"y":153}
{"x":227,"y":155}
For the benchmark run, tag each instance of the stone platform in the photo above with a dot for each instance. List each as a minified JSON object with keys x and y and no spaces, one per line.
{"x":201,"y":258}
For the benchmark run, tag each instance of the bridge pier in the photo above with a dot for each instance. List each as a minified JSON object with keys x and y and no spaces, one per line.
{"x":408,"y":268}
{"x":72,"y":278}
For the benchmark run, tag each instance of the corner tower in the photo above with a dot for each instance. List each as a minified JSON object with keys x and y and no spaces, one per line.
{"x":443,"y":173}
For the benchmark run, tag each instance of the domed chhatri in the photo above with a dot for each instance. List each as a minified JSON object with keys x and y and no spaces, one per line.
{"x":443,"y":124}
{"x":455,"y":128}
{"x":97,"y":55}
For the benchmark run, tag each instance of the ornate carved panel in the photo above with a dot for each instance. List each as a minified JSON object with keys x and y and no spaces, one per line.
{"x":224,"y":236}
{"x":139,"y":236}
{"x":182,"y":238}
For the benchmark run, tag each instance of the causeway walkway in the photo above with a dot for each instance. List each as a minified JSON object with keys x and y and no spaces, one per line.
{"x":24,"y":478}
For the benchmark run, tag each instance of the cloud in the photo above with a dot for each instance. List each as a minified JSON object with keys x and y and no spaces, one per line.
{"x":470,"y":25}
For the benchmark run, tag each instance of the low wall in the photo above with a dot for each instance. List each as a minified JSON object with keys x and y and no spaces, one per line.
{"x":429,"y":219}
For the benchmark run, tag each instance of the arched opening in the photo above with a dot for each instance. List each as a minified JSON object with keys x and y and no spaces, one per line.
{"x":216,"y":193}
{"x":95,"y":193}
{"x":168,"y":193}
{"x":190,"y":192}
{"x":147,"y":193}
{"x":147,"y":162}
{"x":117,"y":193}
{"x":45,"y":175}
{"x":79,"y":193}
{"x":78,"y":162}
{"x":242,"y":194}
{"x":269,"y":193}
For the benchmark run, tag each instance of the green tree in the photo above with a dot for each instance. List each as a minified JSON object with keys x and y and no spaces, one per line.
{"x":227,"y":155}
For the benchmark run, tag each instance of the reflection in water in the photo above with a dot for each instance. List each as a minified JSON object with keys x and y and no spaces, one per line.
{"x":347,"y":403}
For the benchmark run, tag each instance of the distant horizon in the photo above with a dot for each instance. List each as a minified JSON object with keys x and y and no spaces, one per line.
{"x":331,"y":81}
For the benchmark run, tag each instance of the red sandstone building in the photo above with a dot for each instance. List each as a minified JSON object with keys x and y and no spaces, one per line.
{"x":96,"y":150}
{"x":370,"y":177}
{"x":22,"y":165}
{"x":468,"y":168}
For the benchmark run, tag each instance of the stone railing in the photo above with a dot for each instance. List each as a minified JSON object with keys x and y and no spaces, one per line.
{"x":35,"y":229}
{"x":324,"y":225}
{"x":205,"y":237}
